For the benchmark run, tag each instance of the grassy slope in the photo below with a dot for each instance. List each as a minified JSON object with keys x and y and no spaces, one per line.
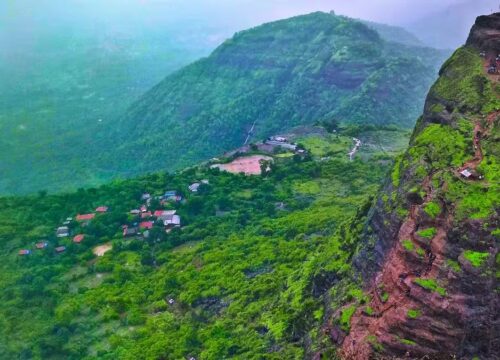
{"x":247,"y":284}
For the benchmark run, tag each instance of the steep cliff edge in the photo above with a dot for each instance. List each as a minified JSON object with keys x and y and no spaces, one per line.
{"x":430,"y":259}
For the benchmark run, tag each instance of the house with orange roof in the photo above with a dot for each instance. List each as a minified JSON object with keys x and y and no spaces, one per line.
{"x":85,"y":217}
{"x":78,"y":238}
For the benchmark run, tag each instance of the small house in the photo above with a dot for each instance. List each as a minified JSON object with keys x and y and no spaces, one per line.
{"x":169,"y":194}
{"x":78,"y":238}
{"x":84,"y":217}
{"x":163,"y":215}
{"x":102,"y":209}
{"x":466,"y":173}
{"x":146,"y":215}
{"x":172,"y":221}
{"x":144,"y":208}
{"x":278,"y":138}
{"x":146,"y":225}
{"x":41,"y":245}
{"x":194,"y":187}
{"x":60,"y":249}
{"x":24,"y":252}
{"x":62,"y":231}
{"x":130,"y":231}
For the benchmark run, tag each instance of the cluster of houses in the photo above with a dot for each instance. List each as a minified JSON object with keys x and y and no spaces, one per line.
{"x":283,"y":142}
{"x":144,"y":219}
{"x":65,"y":231}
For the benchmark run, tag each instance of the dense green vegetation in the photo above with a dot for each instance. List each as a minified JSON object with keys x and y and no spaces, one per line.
{"x":246,"y":275}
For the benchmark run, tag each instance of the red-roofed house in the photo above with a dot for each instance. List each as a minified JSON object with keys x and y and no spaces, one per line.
{"x":162,"y":214}
{"x":41,"y":245}
{"x":78,"y":238}
{"x":24,"y":252}
{"x":158,"y":213}
{"x":85,"y":217}
{"x":146,"y":225}
{"x":144,"y":208}
{"x":146,"y":215}
{"x":102,"y":209}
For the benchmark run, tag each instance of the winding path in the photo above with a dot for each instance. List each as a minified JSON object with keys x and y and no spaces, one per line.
{"x":354,"y":149}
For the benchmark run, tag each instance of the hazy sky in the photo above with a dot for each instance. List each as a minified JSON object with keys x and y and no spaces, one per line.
{"x":216,"y":19}
{"x":229,"y":12}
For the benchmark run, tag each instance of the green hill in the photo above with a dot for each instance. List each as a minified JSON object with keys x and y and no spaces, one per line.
{"x":247,"y":272}
{"x":276,"y":76}
{"x":290,"y":72}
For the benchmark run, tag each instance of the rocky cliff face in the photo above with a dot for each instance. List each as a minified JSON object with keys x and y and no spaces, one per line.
{"x":430,"y":260}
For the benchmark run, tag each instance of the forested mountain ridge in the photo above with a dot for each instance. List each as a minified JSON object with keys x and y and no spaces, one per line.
{"x":428,"y":253}
{"x":64,"y":125}
{"x":270,"y":78}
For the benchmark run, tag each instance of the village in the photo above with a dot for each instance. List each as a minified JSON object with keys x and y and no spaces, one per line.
{"x":142,"y":221}
{"x":248,"y":160}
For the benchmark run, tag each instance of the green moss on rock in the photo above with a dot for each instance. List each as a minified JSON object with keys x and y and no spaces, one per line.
{"x":476,"y":258}
{"x":413,"y":313}
{"x":430,"y":284}
{"x":432,"y":209}
{"x":428,"y":233}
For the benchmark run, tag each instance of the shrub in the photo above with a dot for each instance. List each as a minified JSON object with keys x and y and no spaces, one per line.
{"x":413,"y":313}
{"x":432,"y":209}
{"x":476,"y":258}
{"x":345,"y":318}
{"x":408,"y":245}
{"x":428,"y":233}
{"x":430,"y":284}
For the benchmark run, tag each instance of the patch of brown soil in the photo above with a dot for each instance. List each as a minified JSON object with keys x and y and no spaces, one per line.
{"x":102,"y":249}
{"x":249,"y":165}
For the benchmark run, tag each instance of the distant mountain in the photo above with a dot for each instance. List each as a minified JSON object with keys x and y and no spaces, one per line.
{"x":271,"y":78}
{"x":449,"y":28}
{"x":394,"y":34}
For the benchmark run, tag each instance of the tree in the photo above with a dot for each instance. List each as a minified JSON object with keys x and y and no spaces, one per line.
{"x":330,"y":124}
